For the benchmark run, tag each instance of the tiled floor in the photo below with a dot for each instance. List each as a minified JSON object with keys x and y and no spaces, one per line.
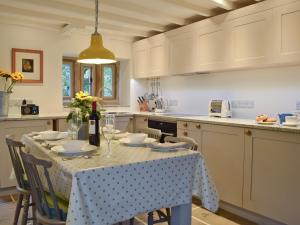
{"x":200,"y":216}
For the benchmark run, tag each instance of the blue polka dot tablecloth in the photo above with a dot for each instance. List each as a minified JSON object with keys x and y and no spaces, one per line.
{"x":133,"y":180}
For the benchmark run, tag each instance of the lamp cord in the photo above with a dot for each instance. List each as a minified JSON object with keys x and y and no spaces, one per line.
{"x":96,"y":16}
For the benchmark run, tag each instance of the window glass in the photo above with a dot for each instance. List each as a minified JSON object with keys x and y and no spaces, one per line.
{"x":66,"y":78}
{"x":87,"y":80}
{"x":107,"y":81}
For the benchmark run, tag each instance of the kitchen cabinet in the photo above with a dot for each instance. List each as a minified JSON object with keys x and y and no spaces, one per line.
{"x":189,"y":129}
{"x":140,"y":122}
{"x":272,"y":180}
{"x":61,"y":125}
{"x":16,"y":129}
{"x":251,"y":40}
{"x":287,"y":33}
{"x":141,"y":59}
{"x":183,"y":53}
{"x":124,"y":123}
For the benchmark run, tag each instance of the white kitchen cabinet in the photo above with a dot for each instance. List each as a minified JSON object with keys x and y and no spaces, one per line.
{"x":124,"y":123}
{"x":272,"y":180}
{"x":287,"y":33}
{"x":16,"y":129}
{"x":140,"y":123}
{"x":251,"y":40}
{"x":183,"y":53}
{"x":141,"y":59}
{"x":190,"y":129}
{"x":61,"y":124}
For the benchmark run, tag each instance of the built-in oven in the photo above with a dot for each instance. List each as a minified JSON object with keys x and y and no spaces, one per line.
{"x":167,"y":127}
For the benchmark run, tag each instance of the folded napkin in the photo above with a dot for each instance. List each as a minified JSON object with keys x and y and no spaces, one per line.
{"x":167,"y":145}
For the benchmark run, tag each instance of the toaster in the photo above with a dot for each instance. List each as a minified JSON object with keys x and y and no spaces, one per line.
{"x":29,"y":109}
{"x":219,"y":108}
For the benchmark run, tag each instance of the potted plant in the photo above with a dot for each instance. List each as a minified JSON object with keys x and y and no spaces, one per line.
{"x":83,"y":101}
{"x":10,"y":79}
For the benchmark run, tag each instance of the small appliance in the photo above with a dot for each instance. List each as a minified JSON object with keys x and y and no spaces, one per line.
{"x":29,"y":109}
{"x":219,"y":108}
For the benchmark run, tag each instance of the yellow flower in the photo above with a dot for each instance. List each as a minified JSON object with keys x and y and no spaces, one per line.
{"x":3,"y":73}
{"x":83,"y":96}
{"x":16,"y":76}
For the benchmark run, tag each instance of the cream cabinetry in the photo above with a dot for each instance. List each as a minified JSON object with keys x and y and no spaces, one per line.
{"x":272,"y":180}
{"x":190,"y":129}
{"x":141,"y":59}
{"x":16,"y":129}
{"x":124,"y":123}
{"x":140,"y":122}
{"x":287,"y":33}
{"x":251,"y":40}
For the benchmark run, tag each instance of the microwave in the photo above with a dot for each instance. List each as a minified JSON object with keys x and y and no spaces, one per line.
{"x":219,"y":108}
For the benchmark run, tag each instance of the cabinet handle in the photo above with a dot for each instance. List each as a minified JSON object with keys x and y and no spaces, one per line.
{"x":185,"y":133}
{"x":248,"y":132}
{"x":48,"y":122}
{"x":145,"y":119}
{"x":198,"y":126}
{"x":185,"y":124}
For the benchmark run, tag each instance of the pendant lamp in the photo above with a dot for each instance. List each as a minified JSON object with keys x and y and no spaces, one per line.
{"x":96,"y":53}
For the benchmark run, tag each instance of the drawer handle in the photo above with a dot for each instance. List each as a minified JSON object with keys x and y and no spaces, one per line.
{"x":48,"y":122}
{"x":185,"y":124}
{"x":198,"y":126}
{"x":145,"y":119}
{"x":248,"y":132}
{"x":185,"y":133}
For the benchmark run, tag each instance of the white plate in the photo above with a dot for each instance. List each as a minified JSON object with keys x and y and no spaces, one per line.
{"x":165,"y":149}
{"x":290,"y":124}
{"x":85,"y":150}
{"x":267,"y":123}
{"x":126,"y":141}
{"x":60,"y":136}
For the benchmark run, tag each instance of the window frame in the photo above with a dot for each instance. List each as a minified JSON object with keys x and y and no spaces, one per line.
{"x":67,"y":99}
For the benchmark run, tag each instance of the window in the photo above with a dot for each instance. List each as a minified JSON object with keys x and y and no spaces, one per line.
{"x":97,"y":80}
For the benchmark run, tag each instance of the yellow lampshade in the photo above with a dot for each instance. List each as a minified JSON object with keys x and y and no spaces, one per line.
{"x":96,"y":53}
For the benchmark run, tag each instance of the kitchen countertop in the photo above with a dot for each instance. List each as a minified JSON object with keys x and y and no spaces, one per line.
{"x":248,"y":123}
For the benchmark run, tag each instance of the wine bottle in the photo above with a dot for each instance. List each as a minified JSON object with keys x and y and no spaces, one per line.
{"x":94,"y":136}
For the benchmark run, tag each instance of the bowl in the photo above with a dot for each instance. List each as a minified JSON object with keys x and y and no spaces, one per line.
{"x":50,"y":134}
{"x":137,"y":138}
{"x":74,"y":145}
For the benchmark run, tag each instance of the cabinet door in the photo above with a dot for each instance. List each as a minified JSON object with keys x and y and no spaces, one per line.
{"x":141,"y":59}
{"x":272,"y":180}
{"x":124,"y":123}
{"x":196,"y":135}
{"x":223,"y":150}
{"x":140,"y":122}
{"x":251,"y":40}
{"x":183,"y":53}
{"x":287,"y":33}
{"x":158,"y":53}
{"x":62,"y":125}
{"x":16,"y":129}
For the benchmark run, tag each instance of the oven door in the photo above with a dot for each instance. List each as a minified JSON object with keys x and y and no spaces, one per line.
{"x":167,"y":128}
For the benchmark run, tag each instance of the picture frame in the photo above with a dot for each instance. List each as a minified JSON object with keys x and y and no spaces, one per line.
{"x":30,"y":63}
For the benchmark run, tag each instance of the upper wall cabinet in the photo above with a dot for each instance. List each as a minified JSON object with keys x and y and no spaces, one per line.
{"x":287,"y":33}
{"x":183,"y":53}
{"x":150,"y":57}
{"x":250,"y":40}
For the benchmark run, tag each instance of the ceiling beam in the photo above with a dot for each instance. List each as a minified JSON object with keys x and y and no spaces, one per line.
{"x":191,"y":7}
{"x":224,"y":4}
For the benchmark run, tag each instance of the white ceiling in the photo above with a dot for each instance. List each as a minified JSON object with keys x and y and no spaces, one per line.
{"x":132,"y":18}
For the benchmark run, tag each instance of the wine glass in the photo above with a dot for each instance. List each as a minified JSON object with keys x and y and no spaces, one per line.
{"x":75,"y":122}
{"x":109,"y":131}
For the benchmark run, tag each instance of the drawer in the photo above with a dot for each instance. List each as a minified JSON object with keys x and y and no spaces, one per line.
{"x":196,"y":135}
{"x":191,"y":126}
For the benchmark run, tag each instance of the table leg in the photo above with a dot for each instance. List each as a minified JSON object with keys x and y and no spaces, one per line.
{"x":181,"y":214}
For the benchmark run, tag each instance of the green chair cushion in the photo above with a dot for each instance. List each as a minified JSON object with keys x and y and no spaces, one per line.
{"x":62,"y":204}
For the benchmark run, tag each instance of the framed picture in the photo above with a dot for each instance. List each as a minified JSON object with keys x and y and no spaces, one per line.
{"x":30,"y":63}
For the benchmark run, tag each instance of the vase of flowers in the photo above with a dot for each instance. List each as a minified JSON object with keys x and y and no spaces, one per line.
{"x":83,"y":101}
{"x":8,"y":80}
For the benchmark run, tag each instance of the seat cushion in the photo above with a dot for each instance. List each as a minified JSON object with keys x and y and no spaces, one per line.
{"x":62,"y":204}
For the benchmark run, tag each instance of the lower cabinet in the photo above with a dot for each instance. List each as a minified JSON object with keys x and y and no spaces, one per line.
{"x":140,"y":122}
{"x":16,"y":129}
{"x":272,"y":180}
{"x":223,"y":150}
{"x":124,"y":123}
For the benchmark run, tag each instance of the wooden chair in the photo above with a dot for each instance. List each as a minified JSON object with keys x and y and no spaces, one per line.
{"x":166,"y":217}
{"x":192,"y":144}
{"x":152,"y":133}
{"x":23,"y":187}
{"x":51,"y":210}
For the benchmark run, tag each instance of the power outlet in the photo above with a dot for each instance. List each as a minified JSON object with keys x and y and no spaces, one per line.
{"x":242,"y":104}
{"x":298,"y":105}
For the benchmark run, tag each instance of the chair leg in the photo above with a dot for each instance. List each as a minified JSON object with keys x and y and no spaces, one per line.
{"x":131,"y":221}
{"x":18,"y":209}
{"x":25,"y":210}
{"x":33,"y":208}
{"x":168,"y":215}
{"x":150,"y":218}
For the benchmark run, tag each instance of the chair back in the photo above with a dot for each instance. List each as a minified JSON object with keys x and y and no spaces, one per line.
{"x":192,"y":144}
{"x":152,"y":133}
{"x":14,"y":148}
{"x":33,"y":166}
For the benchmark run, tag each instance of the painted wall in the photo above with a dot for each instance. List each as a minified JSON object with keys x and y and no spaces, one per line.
{"x":272,"y":90}
{"x":54,"y":45}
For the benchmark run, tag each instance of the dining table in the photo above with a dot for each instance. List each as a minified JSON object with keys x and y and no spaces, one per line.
{"x":132,"y":180}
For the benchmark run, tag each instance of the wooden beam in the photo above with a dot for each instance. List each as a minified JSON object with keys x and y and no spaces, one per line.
{"x":225,"y":4}
{"x":190,"y":6}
